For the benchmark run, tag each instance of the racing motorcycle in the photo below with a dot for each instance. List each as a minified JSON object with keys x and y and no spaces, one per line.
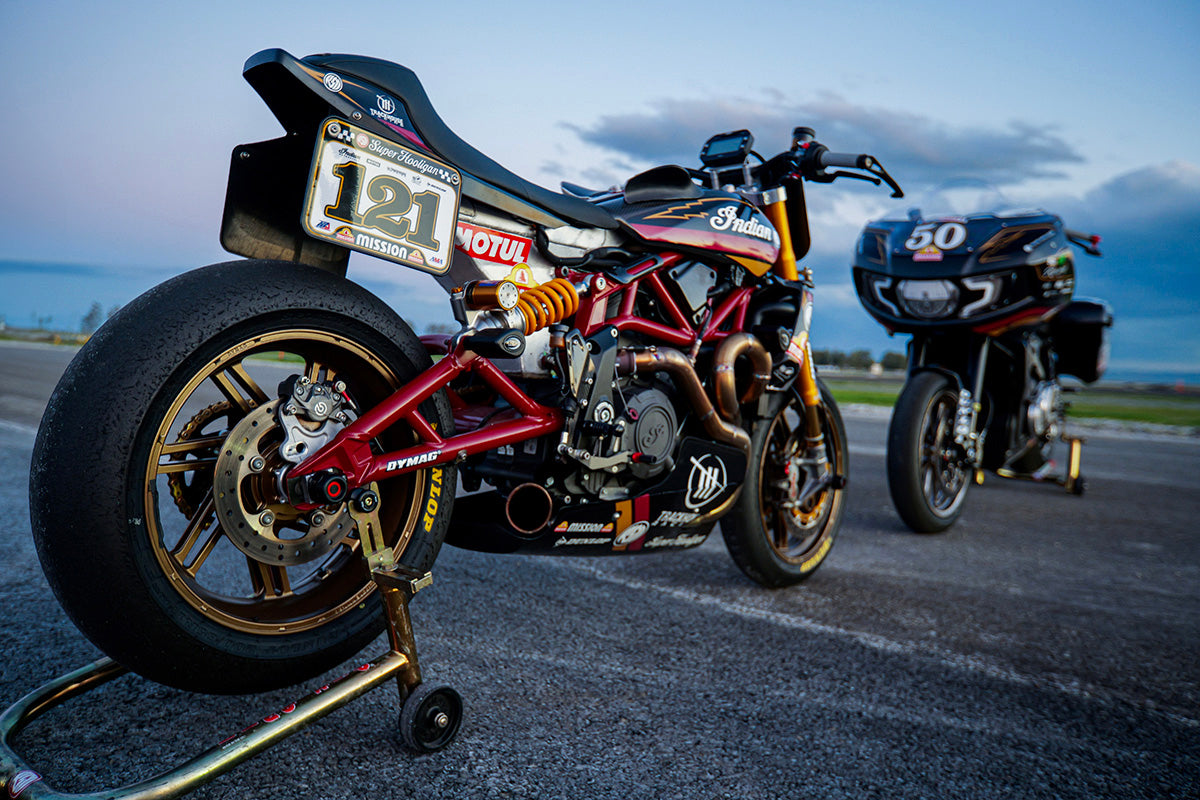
{"x":987,"y":298}
{"x":229,"y":460}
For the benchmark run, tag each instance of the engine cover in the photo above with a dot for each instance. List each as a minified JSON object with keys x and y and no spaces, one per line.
{"x":650,"y":431}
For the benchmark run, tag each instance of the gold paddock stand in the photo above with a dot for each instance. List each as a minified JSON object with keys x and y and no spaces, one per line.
{"x":429,"y":719}
{"x":1073,"y":481}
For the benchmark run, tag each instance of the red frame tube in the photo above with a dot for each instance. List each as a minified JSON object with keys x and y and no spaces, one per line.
{"x":350,"y":451}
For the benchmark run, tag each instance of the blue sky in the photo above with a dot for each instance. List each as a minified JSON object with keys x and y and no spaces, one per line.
{"x":121,"y":118}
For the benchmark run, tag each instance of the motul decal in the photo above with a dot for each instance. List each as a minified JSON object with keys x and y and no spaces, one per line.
{"x":490,"y":245}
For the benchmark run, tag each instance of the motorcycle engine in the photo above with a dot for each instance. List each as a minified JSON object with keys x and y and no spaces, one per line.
{"x":647,"y":424}
{"x":1045,"y":410}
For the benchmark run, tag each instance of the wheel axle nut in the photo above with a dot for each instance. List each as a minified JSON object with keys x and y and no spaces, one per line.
{"x":267,"y":518}
{"x":442,"y":720}
{"x":257,"y":463}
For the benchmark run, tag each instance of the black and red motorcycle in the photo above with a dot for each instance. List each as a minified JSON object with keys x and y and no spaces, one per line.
{"x":987,"y":297}
{"x":233,"y":463}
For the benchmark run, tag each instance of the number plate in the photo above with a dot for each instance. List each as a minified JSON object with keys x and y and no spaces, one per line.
{"x":381,"y":198}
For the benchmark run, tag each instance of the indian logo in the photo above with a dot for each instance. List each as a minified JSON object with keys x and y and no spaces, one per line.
{"x":706,"y":481}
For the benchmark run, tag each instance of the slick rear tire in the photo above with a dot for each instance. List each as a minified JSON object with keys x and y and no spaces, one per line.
{"x":124,"y":490}
{"x":926,"y":476}
{"x":775,"y":544}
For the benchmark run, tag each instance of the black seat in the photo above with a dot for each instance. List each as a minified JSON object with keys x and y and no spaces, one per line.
{"x":659,"y":184}
{"x":404,"y":83}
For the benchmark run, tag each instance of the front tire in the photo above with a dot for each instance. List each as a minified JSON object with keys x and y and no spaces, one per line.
{"x":773,"y":540}
{"x":125,"y":498}
{"x":928,"y":477}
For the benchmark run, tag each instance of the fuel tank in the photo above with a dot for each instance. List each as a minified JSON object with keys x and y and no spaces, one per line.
{"x":664,"y":206}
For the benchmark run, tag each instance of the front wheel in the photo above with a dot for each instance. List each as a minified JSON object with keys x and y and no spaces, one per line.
{"x":928,"y":476}
{"x":155,"y":496}
{"x":778,"y":533}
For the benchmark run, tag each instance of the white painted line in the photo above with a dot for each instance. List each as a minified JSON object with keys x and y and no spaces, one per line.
{"x":1065,"y":684}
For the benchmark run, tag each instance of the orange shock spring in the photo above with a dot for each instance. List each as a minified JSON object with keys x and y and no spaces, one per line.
{"x":552,"y":301}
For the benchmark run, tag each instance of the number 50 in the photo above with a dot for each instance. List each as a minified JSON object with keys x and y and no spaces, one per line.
{"x":946,"y":236}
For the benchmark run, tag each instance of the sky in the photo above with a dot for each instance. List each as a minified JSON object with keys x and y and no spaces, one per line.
{"x":121,"y":118}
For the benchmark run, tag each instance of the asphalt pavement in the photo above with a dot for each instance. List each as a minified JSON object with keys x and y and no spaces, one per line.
{"x":1046,"y":646}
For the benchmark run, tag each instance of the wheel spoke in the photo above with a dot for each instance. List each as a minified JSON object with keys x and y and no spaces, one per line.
{"x":269,"y":582}
{"x":239,"y":388}
{"x":187,"y":466}
{"x":197,"y":525}
{"x":315,"y":371}
{"x":193,"y":445}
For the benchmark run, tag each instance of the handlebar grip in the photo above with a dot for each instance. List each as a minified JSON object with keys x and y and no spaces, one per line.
{"x":854,"y":160}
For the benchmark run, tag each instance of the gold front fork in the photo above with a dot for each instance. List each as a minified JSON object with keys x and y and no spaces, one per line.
{"x":776,"y":211}
{"x":775,"y":207}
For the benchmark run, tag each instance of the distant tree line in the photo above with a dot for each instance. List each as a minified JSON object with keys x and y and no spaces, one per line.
{"x":859,"y":359}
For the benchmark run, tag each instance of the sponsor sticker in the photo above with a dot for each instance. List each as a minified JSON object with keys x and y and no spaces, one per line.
{"x":584,"y":527}
{"x":929,"y":253}
{"x":677,"y":541}
{"x":632,"y":534}
{"x":564,"y":541}
{"x":675,"y":518}
{"x":490,"y":245}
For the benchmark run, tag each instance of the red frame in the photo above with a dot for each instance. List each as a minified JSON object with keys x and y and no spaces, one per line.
{"x":350,"y":451}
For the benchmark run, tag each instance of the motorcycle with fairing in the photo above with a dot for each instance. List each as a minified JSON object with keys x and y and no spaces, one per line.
{"x":985,"y":290}
{"x":242,"y":456}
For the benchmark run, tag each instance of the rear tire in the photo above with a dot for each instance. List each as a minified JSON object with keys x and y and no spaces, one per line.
{"x":123,"y":493}
{"x":927,"y":478}
{"x":773,"y":544}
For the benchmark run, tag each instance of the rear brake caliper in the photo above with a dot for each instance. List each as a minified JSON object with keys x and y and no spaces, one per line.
{"x":311,"y":414}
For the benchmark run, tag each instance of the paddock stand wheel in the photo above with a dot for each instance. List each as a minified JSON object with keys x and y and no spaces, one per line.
{"x":435,"y":711}
{"x":430,"y":718}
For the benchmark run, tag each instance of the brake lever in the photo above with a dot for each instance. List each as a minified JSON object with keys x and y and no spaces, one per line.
{"x":840,"y":174}
{"x":875,"y":168}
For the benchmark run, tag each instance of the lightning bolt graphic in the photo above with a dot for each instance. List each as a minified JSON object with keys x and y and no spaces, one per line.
{"x":689,"y":210}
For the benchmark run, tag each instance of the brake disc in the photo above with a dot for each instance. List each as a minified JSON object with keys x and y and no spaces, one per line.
{"x":249,"y":508}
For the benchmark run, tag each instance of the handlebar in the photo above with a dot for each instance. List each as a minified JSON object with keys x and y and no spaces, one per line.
{"x":816,"y":159}
{"x":828,"y":158}
{"x":1090,"y":242}
{"x":807,"y":158}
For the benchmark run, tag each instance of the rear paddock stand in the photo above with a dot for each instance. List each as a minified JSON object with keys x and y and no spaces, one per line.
{"x":429,"y":719}
{"x":1073,"y":481}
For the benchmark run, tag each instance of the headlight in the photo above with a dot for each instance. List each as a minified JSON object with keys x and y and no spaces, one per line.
{"x":928,"y":299}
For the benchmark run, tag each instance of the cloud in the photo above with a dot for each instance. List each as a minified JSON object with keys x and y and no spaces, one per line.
{"x":913,"y":147}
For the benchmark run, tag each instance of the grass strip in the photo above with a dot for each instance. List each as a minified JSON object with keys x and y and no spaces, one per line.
{"x":1135,"y":408}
